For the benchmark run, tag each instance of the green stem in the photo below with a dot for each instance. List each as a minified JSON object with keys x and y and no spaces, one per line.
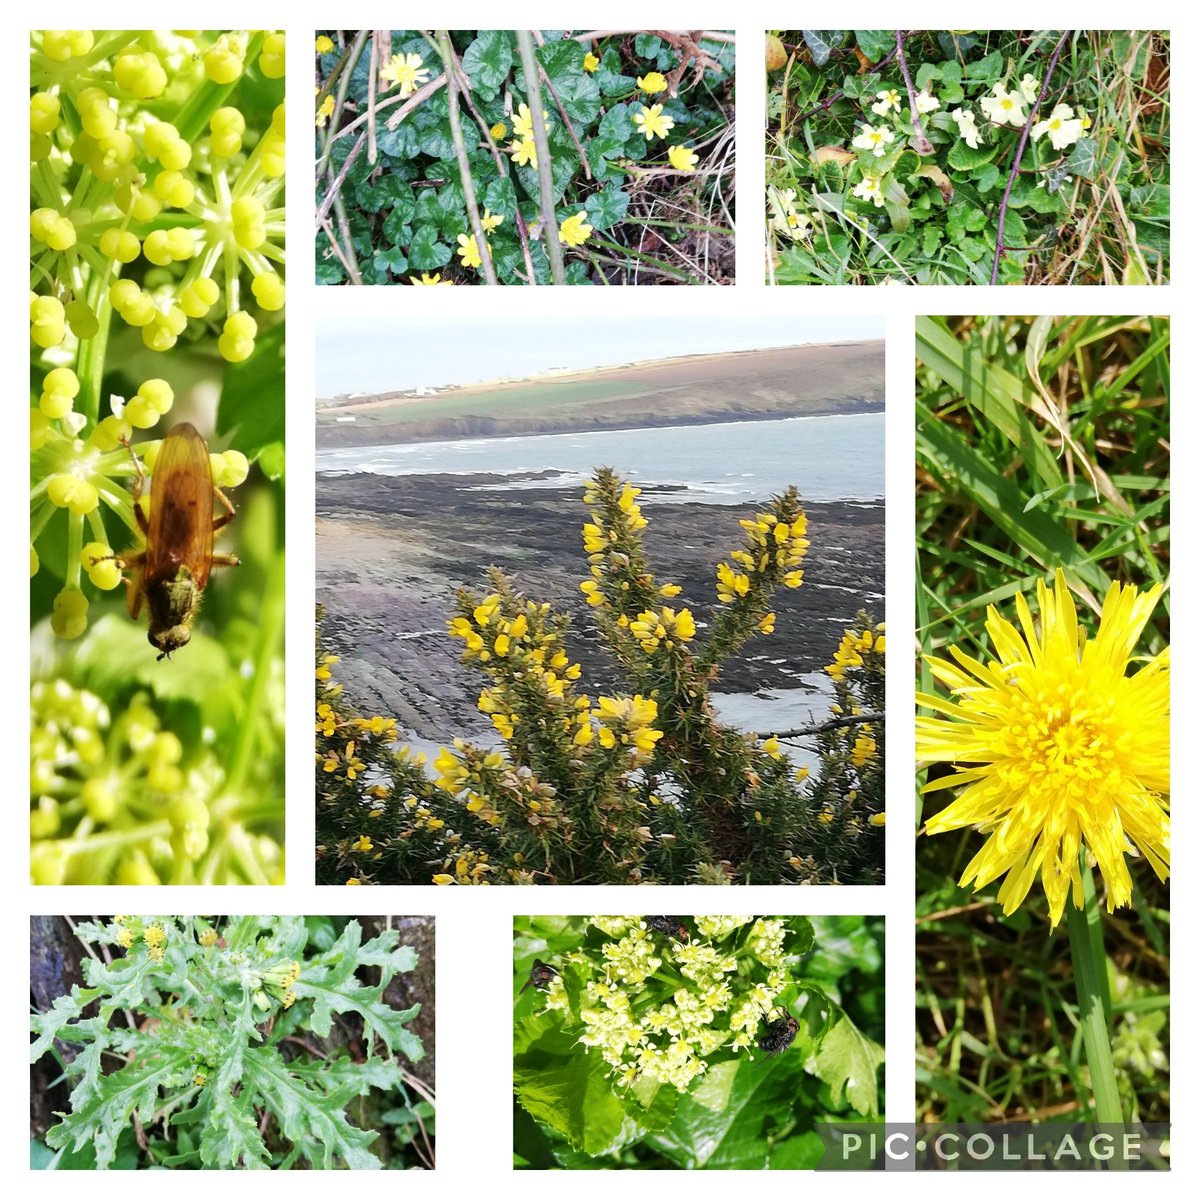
{"x":1091,"y":989}
{"x":533,"y":91}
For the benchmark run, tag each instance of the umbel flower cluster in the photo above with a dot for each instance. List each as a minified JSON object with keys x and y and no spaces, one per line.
{"x":661,"y":1006}
{"x":153,"y":199}
{"x":640,"y":785}
{"x":113,"y":801}
{"x":156,"y":206}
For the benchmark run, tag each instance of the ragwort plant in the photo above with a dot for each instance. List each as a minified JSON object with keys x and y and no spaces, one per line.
{"x":156,"y":250}
{"x":710,"y":1041}
{"x":895,"y":156}
{"x":626,"y":178}
{"x":641,"y":786}
{"x":206,"y":1063}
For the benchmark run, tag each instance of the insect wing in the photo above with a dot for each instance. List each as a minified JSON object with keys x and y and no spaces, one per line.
{"x":181,"y":508}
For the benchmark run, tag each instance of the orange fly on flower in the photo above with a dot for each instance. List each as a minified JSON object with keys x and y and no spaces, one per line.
{"x":1058,"y":745}
{"x":171,"y":571}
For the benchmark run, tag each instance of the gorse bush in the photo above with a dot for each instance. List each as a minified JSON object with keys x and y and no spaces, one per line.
{"x":156,"y":257}
{"x":895,"y":156}
{"x":702,"y":1041}
{"x":642,"y":786}
{"x":208,"y":1063}
{"x":634,"y":184}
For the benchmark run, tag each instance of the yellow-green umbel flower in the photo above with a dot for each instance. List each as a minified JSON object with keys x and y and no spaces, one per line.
{"x":1059,"y":746}
{"x":149,"y":195}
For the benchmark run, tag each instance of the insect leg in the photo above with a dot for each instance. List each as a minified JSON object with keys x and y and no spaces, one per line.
{"x":139,"y":485}
{"x":227,"y":516}
{"x":226,"y":560}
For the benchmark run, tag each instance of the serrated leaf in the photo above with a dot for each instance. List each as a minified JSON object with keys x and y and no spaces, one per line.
{"x":132,"y":1089}
{"x":847,"y":1060}
{"x":331,"y":984}
{"x":308,"y":1117}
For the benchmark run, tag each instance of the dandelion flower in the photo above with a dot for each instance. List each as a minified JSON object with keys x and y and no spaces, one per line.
{"x":1059,"y":746}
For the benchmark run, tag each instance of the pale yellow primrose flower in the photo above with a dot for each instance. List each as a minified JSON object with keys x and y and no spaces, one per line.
{"x":874,"y":139}
{"x":1064,"y":128}
{"x":1004,"y":108}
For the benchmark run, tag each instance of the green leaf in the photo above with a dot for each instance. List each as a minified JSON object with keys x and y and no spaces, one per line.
{"x":488,"y":60}
{"x":567,"y":1088}
{"x":821,"y":43}
{"x":607,"y":207}
{"x":426,"y":253}
{"x":617,"y":126}
{"x":251,"y":411}
{"x":390,"y":192}
{"x":1083,"y":158}
{"x":966,"y":158}
{"x":312,"y":1119}
{"x":330,"y":982}
{"x":499,"y":197}
{"x":847,"y":1060}
{"x":875,"y":43}
{"x":389,"y":259}
{"x":103,"y":1117}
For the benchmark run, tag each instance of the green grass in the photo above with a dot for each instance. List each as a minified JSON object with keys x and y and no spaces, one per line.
{"x":1040,"y":442}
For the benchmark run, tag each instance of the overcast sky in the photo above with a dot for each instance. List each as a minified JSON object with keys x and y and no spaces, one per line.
{"x":373,"y":354}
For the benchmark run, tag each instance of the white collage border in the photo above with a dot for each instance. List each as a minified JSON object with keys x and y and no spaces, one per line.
{"x":473,"y":933}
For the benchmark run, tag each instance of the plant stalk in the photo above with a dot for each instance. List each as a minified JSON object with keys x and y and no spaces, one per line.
{"x":533,"y":89}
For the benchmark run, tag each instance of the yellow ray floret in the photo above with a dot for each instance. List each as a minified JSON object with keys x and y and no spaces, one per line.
{"x":1059,"y":747}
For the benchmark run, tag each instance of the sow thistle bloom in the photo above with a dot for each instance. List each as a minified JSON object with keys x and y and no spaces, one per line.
{"x":1060,"y":748}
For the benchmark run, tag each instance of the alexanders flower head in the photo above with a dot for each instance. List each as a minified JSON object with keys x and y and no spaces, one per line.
{"x":1059,"y":747}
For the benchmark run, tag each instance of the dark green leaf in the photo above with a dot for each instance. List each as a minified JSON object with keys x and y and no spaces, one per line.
{"x":488,"y":60}
{"x":607,"y":207}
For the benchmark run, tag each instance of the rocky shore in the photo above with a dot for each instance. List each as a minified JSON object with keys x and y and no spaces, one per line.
{"x":393,"y":550}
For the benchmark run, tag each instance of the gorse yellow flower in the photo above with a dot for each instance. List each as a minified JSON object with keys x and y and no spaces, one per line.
{"x":1063,"y":747}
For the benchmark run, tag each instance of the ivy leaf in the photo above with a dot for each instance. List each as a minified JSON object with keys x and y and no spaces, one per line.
{"x":607,"y":207}
{"x":957,"y":45}
{"x":488,"y":60}
{"x":875,"y":43}
{"x":426,"y":253}
{"x":847,"y":1060}
{"x":329,"y":981}
{"x":1083,"y":158}
{"x":821,"y":43}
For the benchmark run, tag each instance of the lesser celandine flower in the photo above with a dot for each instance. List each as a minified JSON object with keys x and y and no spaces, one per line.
{"x":682,"y":158}
{"x":405,"y":71}
{"x":1059,"y":746}
{"x":575,"y":230}
{"x":652,"y":82}
{"x":652,"y":122}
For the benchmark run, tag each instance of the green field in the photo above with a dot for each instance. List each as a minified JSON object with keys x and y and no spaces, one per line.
{"x":530,"y":398}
